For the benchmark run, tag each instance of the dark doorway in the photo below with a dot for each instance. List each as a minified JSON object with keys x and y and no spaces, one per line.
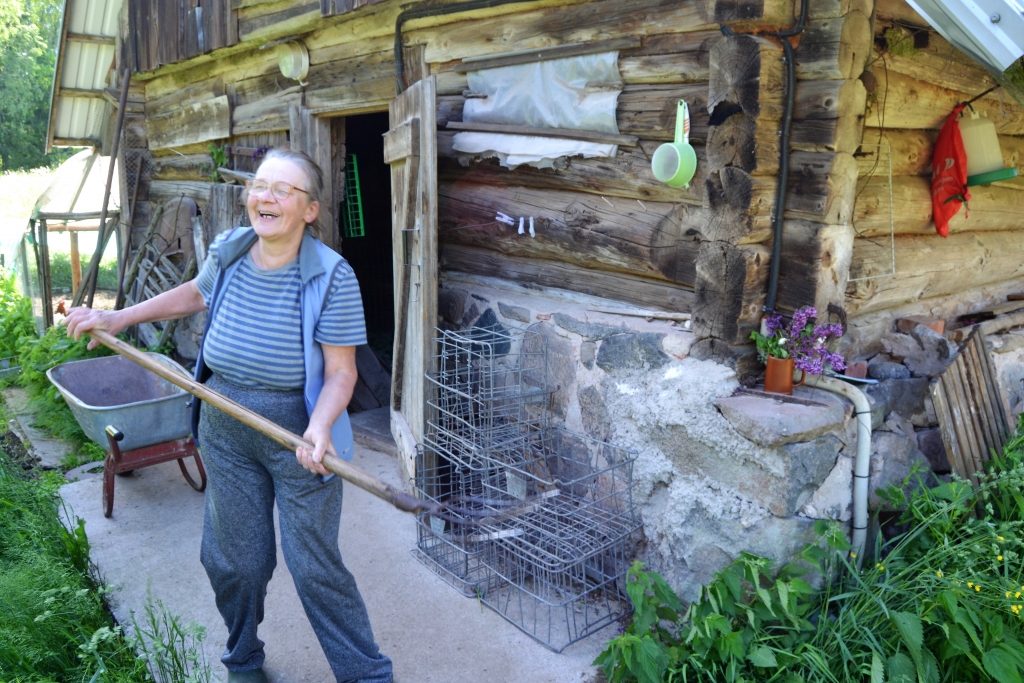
{"x":370,"y":255}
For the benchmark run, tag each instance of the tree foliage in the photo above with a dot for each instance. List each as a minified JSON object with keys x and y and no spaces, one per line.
{"x":28,"y":50}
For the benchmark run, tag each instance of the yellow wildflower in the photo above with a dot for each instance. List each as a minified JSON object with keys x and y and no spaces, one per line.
{"x":1000,"y":538}
{"x":880,"y":566}
{"x":999,"y":557}
{"x":977,"y":589}
{"x":854,"y":556}
{"x":1017,"y":595}
{"x":970,"y":584}
{"x":939,"y":573}
{"x":1007,"y":593}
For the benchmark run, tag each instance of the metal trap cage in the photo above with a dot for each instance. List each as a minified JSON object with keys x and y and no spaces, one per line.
{"x":451,"y":550}
{"x":540,"y":540}
{"x":489,"y":389}
{"x":562,"y":567}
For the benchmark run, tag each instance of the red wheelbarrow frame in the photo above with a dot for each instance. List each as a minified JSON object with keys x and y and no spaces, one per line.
{"x":121,"y":462}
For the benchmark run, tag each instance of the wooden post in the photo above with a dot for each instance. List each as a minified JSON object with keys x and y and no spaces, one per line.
{"x":76,"y":263}
{"x":94,"y":265}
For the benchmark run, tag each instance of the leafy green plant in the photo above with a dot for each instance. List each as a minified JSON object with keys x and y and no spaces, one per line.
{"x":16,"y":322}
{"x":944,"y":601}
{"x":173,"y":650}
{"x":219,"y":157}
{"x":900,"y":42}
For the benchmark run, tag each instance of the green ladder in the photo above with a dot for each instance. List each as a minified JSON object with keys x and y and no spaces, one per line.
{"x":352,"y":212}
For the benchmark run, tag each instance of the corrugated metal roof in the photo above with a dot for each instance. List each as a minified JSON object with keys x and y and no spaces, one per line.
{"x":989,"y":31}
{"x":78,"y":109}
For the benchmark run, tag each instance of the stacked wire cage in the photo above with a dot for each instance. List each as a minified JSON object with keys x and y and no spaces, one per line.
{"x":538,"y":517}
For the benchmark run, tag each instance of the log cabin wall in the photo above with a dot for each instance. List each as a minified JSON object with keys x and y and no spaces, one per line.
{"x":910,"y":94}
{"x":605,"y":227}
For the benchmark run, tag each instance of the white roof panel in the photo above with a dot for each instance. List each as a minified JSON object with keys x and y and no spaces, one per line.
{"x":84,"y":65}
{"x":990,"y":31}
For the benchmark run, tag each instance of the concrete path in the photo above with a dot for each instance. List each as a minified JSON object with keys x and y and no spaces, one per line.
{"x":48,"y":451}
{"x":433,"y":633}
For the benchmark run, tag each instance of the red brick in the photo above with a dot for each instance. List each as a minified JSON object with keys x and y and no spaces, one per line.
{"x":857,"y":368}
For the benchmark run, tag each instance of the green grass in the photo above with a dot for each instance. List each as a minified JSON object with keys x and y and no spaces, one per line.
{"x":60,"y":271}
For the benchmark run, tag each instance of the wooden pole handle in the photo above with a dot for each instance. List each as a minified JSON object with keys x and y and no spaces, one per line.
{"x":350,"y":473}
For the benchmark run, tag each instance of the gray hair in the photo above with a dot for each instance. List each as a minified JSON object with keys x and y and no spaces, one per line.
{"x":314,"y":180}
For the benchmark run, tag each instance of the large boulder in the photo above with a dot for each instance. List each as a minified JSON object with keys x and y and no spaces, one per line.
{"x":631,"y":351}
{"x":924,"y":351}
{"x":910,"y":398}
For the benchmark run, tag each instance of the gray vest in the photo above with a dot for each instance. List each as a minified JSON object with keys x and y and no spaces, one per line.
{"x":317,"y":264}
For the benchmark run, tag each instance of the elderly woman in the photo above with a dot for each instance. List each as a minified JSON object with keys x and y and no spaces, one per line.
{"x":285,"y":318}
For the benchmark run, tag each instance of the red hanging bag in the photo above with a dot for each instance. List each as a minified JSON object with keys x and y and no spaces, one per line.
{"x":949,"y":173}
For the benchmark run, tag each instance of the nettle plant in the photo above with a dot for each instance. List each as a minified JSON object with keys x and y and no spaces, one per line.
{"x":803,"y":339}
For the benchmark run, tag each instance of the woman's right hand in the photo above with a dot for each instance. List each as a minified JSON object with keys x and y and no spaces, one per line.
{"x":80,"y":320}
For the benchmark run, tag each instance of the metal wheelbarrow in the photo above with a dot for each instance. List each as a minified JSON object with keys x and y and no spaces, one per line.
{"x":138,"y":418}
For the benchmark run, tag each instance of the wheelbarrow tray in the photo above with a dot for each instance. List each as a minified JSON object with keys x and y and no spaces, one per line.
{"x":113,"y":390}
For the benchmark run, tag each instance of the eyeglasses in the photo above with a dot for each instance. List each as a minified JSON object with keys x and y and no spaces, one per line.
{"x":281,"y":191}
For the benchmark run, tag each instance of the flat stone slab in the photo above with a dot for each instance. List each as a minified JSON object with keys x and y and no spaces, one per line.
{"x":773,"y":422}
{"x":433,"y":633}
{"x":49,"y":451}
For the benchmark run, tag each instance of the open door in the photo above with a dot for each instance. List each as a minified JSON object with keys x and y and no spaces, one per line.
{"x":410,"y":148}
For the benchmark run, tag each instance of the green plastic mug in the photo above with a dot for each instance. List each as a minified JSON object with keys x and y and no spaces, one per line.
{"x":674,"y":163}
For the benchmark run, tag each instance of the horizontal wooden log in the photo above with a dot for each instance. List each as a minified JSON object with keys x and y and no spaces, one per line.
{"x":191,"y":93}
{"x":750,"y":13}
{"x":938,"y":63}
{"x":902,"y":101}
{"x":543,"y":54}
{"x":910,"y":153}
{"x":730,"y":290}
{"x":162,"y":190}
{"x":181,"y":167}
{"x":199,"y":122}
{"x":255,"y":25}
{"x":814,"y":265}
{"x":899,"y":10}
{"x":674,"y":43}
{"x":365,"y":96}
{"x":655,"y":241}
{"x":567,"y":133}
{"x":821,"y":189}
{"x":818,"y":100}
{"x":627,"y":174}
{"x":991,"y":208}
{"x":554,"y":25}
{"x":929,"y":266}
{"x":746,"y":76}
{"x":267,"y":114}
{"x":834,"y":49}
{"x":746,"y":142}
{"x":687,"y":67}
{"x":828,"y":135}
{"x":821,"y":186}
{"x":540,"y":273}
{"x":828,"y":9}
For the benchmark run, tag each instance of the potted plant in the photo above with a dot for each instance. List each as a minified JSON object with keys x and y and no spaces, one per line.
{"x":800,"y":345}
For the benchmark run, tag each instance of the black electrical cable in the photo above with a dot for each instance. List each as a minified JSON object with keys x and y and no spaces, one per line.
{"x":433,"y":11}
{"x":787,"y":121}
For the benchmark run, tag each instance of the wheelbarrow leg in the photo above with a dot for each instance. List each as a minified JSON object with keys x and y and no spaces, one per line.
{"x":194,"y":452}
{"x":109,"y":468}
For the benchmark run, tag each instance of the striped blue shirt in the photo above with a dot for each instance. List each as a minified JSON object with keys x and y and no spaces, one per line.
{"x":256,"y":338}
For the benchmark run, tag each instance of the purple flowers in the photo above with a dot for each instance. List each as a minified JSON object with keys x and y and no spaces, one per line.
{"x":802,"y":340}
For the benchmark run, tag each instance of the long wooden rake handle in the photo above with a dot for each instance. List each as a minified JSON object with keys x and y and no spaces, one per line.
{"x":364,"y":480}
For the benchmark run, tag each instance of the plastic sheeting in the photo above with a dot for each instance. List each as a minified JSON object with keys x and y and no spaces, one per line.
{"x":548,"y":94}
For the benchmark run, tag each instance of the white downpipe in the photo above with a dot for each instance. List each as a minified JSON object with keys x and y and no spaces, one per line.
{"x":862,"y":463}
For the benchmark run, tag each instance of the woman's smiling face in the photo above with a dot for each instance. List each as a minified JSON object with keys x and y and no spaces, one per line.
{"x":274,"y":218}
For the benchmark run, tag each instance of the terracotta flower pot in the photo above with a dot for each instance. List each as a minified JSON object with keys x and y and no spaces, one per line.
{"x":778,"y":378}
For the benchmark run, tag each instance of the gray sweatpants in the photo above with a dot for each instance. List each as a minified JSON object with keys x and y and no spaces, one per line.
{"x":239,"y":551}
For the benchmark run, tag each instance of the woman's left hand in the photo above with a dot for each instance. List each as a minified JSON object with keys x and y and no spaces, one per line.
{"x":312,"y":459}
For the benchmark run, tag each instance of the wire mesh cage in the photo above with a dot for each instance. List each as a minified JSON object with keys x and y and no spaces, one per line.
{"x":452,"y":549}
{"x":541,"y":540}
{"x":489,"y":390}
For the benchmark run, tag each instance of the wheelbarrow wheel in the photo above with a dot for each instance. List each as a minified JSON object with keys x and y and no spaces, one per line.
{"x":108,"y":487}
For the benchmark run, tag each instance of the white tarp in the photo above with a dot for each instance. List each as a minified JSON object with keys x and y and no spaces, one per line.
{"x":577,"y":93}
